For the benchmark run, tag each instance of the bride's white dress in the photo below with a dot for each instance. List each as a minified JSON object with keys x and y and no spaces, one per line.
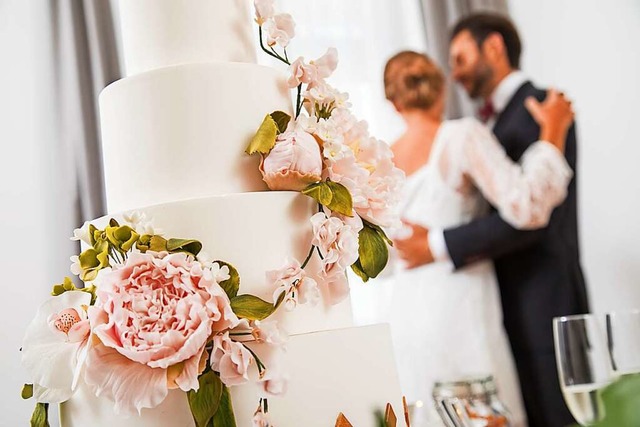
{"x":447,"y":325}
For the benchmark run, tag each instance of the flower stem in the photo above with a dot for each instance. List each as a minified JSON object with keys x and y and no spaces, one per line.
{"x":298,"y":102}
{"x":259,"y":363}
{"x":306,"y":261}
{"x":274,"y":53}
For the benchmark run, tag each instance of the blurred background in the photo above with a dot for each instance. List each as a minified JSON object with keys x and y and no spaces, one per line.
{"x":59,"y":54}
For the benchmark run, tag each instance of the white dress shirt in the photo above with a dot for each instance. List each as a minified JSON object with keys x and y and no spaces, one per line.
{"x":501,"y":96}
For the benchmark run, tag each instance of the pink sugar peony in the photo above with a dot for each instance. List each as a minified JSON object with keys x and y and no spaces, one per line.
{"x":293,"y":163}
{"x":154,"y":312}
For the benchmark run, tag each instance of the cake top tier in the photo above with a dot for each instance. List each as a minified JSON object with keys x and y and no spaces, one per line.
{"x":158,"y":33}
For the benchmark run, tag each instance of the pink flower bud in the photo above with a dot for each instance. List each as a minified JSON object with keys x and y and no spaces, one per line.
{"x":293,"y":163}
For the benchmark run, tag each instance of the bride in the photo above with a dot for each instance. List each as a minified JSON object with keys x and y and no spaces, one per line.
{"x":447,"y":325}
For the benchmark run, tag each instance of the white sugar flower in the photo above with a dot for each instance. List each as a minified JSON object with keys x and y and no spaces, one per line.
{"x":140,"y":222}
{"x":303,"y":123}
{"x":76,"y":268}
{"x":322,"y":99}
{"x":82,"y":234}
{"x":55,"y":344}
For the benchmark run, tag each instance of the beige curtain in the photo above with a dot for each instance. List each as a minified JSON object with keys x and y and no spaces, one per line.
{"x":439,"y":18}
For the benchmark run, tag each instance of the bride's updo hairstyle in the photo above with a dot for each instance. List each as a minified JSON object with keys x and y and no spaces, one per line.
{"x":412,"y":81}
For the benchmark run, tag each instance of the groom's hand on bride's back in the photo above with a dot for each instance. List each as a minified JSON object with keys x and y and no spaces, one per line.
{"x":554,"y":115}
{"x":414,"y":250}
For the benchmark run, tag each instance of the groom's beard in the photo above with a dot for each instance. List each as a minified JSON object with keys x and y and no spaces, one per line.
{"x":479,"y":83}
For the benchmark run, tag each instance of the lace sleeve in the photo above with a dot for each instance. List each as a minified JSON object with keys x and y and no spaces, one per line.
{"x":524,"y":193}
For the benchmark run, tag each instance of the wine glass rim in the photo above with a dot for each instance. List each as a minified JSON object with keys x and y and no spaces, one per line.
{"x":624,"y":312}
{"x":574,"y":317}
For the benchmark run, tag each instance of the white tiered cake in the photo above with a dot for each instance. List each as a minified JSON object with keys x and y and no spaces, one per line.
{"x":174,"y":133}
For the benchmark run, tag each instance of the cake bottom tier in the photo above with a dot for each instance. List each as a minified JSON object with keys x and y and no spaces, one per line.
{"x":348,"y":370}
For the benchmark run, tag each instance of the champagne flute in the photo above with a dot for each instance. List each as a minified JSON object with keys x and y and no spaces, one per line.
{"x":623,"y":339}
{"x":583,"y":365}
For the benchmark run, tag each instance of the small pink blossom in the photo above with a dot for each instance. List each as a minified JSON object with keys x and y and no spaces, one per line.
{"x":293,"y":163}
{"x":69,"y":322}
{"x":274,"y":380}
{"x":264,"y":10}
{"x":327,"y":63}
{"x":260,"y":419}
{"x":314,"y":72}
{"x":268,"y":332}
{"x":380,"y":204}
{"x":293,"y":281}
{"x":280,"y":29}
{"x":231,"y":359}
{"x":301,"y":72}
{"x":338,"y":286}
{"x":323,"y":97}
{"x":337,"y":242}
{"x":308,"y":291}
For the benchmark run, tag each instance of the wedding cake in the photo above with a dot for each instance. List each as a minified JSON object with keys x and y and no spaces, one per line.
{"x":174,"y":135}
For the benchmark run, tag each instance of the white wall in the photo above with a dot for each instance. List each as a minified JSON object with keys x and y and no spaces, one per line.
{"x":589,"y":48}
{"x":35,"y":210}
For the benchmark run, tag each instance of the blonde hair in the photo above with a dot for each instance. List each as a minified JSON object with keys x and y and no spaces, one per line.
{"x":412,"y":81}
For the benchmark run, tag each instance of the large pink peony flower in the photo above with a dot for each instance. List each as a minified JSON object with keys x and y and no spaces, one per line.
{"x":154,"y":314}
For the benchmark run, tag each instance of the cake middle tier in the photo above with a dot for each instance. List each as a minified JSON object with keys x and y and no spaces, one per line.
{"x":180,"y":132}
{"x":254,"y":232}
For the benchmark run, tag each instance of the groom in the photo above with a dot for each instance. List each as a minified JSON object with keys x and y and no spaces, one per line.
{"x":538,"y":271}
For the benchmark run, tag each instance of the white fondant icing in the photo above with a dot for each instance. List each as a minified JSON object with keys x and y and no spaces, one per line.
{"x":180,"y":132}
{"x":157,"y":33}
{"x":347,"y":370}
{"x":254,"y":232}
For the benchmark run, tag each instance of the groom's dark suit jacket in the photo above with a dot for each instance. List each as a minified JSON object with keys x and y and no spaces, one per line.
{"x":538,"y":271}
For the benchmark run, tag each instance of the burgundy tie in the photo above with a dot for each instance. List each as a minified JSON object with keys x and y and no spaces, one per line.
{"x":487,"y":111}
